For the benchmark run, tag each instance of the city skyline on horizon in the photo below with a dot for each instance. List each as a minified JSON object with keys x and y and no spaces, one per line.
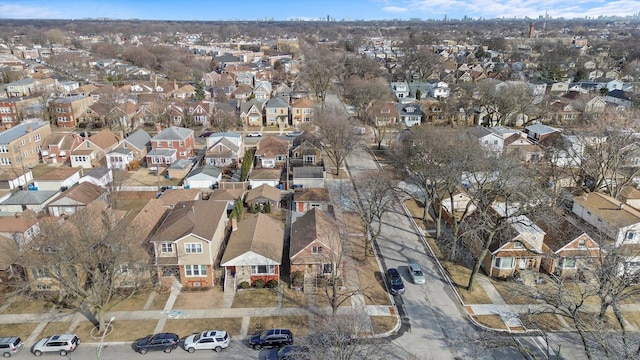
{"x":282,"y":10}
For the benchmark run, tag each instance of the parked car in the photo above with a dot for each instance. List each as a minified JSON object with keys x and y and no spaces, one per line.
{"x":10,"y":345}
{"x":417,"y":276}
{"x":289,"y":352}
{"x":161,"y":341}
{"x":396,"y":286}
{"x":207,"y":340}
{"x":271,"y":338}
{"x":294,"y":134}
{"x":254,"y":134}
{"x":60,"y":343}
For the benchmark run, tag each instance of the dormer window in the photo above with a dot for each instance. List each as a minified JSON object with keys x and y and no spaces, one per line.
{"x":517,"y":245}
{"x":410,"y":109}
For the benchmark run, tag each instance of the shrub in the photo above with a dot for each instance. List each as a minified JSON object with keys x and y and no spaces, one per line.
{"x":258,"y":284}
{"x":245,"y":285}
{"x":297,"y":279}
{"x":272,"y":284}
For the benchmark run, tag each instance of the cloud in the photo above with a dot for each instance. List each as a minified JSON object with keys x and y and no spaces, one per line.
{"x":19,"y":11}
{"x":395,"y":9}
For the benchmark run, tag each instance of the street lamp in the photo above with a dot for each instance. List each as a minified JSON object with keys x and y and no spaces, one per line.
{"x":104,"y":333}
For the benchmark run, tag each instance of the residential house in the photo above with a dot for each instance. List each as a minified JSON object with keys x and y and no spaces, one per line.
{"x":409,"y":114}
{"x":308,"y":177}
{"x":455,"y":205}
{"x":170,"y":145}
{"x":23,"y":87}
{"x":262,"y":176}
{"x":129,"y":151}
{"x":400,"y":89}
{"x":569,"y":249}
{"x":254,"y":251}
{"x":488,"y":139}
{"x":305,"y":199}
{"x":315,"y":246}
{"x":21,"y":229}
{"x":609,"y":216}
{"x":27,"y":200}
{"x":384,"y":113}
{"x":57,"y":147}
{"x":262,"y":90}
{"x":93,"y":149}
{"x":277,"y":112}
{"x":203,"y":177}
{"x":261,"y":195}
{"x":251,"y":112}
{"x":306,"y":150}
{"x":179,"y":169}
{"x":563,"y":112}
{"x":76,"y":198}
{"x":69,"y":111}
{"x":189,"y":240}
{"x":57,"y":178}
{"x":302,"y":111}
{"x":223,"y":153}
{"x":272,"y":152}
{"x":523,"y":148}
{"x":228,"y":196}
{"x":17,"y":109}
{"x":200,"y":112}
{"x":20,"y":146}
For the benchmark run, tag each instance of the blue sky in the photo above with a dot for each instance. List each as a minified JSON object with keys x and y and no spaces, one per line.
{"x":311,"y":9}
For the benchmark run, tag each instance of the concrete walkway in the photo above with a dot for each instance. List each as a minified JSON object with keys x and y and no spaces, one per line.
{"x":498,"y":306}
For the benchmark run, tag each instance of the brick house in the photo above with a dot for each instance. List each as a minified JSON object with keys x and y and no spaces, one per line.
{"x":254,"y":251}
{"x":70,"y":111}
{"x":171,"y":144}
{"x":277,"y":112}
{"x":20,"y":146}
{"x":57,"y":147}
{"x":302,"y":111}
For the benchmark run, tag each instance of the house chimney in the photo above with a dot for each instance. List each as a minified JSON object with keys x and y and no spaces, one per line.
{"x":158,"y":127}
{"x":175,"y":85}
{"x":621,"y":207}
{"x":29,"y":128}
{"x":234,"y":224}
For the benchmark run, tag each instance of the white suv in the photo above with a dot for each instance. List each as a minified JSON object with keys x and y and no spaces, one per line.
{"x":209,"y":340}
{"x":61,"y":343}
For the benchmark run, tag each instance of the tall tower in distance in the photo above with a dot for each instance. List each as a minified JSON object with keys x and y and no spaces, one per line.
{"x":531,"y":30}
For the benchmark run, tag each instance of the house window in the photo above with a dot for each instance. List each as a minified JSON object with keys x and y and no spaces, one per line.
{"x":123,"y":268}
{"x":40,"y":273}
{"x":193,"y":248}
{"x":568,"y":263}
{"x":166,"y":247}
{"x":195,"y":270}
{"x":36,"y":137}
{"x":279,"y":157}
{"x":43,"y":287}
{"x":263,"y":269}
{"x":5,"y":161}
{"x":25,"y":154}
{"x":317,"y":250}
{"x":326,"y":268}
{"x":517,"y":244}
{"x":504,"y":263}
{"x":22,"y":142}
{"x":4,"y":149}
{"x":582,"y":243}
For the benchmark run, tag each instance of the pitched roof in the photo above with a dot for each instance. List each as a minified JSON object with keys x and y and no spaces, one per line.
{"x":197,"y":217}
{"x":209,"y":170}
{"x":82,"y":193}
{"x":174,"y":196}
{"x":226,"y":194}
{"x":258,"y":235}
{"x":148,"y":218}
{"x":308,"y":172}
{"x":311,"y":194}
{"x":59,"y":173}
{"x":12,"y":224}
{"x":312,"y":226}
{"x":104,"y":139}
{"x":302,"y":103}
{"x":173,"y":133}
{"x":27,"y":197}
{"x":263,"y":191}
{"x":276,"y":102}
{"x":271,"y":146}
{"x":609,"y":209}
{"x":139,"y":139}
{"x":265,"y":174}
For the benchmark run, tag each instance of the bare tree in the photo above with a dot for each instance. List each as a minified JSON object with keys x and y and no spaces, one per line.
{"x":373,"y":198}
{"x":319,"y":70}
{"x":361,"y":93}
{"x":336,"y":134}
{"x":93,"y":259}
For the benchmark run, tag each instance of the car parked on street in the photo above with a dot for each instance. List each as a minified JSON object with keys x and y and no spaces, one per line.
{"x":417,"y":276}
{"x":289,"y":352}
{"x":254,"y":134}
{"x":396,"y":285}
{"x":60,"y":343}
{"x":294,"y":133}
{"x":161,"y":341}
{"x":9,"y":345}
{"x":207,"y":340}
{"x":271,"y":338}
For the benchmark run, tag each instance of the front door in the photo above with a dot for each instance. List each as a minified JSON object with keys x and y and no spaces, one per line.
{"x":523,"y":264}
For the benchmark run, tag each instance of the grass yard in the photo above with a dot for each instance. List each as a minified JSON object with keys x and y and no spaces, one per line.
{"x":190,"y":326}
{"x":123,"y":330}
{"x":132,"y":304}
{"x":26,"y":305}
{"x":491,"y":321}
{"x":545,"y":322}
{"x":293,"y":298}
{"x":299,"y":325}
{"x":383,"y":324}
{"x":514,"y":293}
{"x":159,"y":301}
{"x":56,"y":327}
{"x":255,"y":298}
{"x":23,"y":330}
{"x":190,"y":300}
{"x":460,"y":276}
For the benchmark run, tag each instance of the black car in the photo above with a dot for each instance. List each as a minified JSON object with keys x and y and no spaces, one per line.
{"x":271,"y":338}
{"x":162,"y":341}
{"x":396,"y":286}
{"x":289,"y":352}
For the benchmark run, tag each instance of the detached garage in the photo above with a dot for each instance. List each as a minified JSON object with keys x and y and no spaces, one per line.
{"x":203,"y":177}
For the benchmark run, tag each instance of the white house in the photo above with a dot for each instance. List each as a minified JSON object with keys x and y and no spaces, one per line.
{"x":203,"y":177}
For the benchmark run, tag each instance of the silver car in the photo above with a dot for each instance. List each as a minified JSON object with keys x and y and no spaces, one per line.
{"x":60,"y":343}
{"x":210,"y":340}
{"x":417,"y":276}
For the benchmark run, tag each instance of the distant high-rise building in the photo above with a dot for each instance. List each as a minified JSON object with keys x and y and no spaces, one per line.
{"x":530,"y":30}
